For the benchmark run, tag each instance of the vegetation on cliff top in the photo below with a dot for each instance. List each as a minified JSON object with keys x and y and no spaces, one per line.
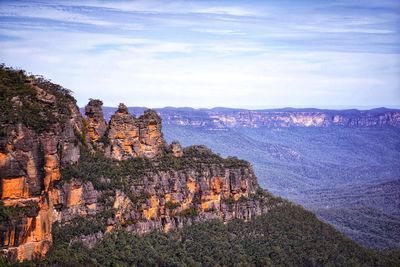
{"x":20,"y":104}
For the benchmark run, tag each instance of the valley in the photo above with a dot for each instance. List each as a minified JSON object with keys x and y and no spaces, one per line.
{"x":348,"y":175}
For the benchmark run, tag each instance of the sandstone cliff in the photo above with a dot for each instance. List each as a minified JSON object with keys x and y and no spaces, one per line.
{"x":32,"y":153}
{"x":163,"y":194}
{"x":61,"y":170}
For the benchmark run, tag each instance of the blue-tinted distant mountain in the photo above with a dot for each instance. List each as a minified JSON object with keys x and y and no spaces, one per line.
{"x":220,"y":118}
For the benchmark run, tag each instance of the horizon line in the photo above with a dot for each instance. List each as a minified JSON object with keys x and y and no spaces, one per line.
{"x":330,"y":108}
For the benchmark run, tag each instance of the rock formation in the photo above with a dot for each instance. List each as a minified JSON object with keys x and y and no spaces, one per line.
{"x":142,"y":185}
{"x":176,"y":149}
{"x":134,"y":137}
{"x":96,"y":125}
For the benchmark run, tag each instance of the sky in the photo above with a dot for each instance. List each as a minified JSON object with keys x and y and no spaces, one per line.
{"x":245,"y":54}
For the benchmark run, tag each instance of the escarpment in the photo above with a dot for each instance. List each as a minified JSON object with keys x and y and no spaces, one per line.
{"x":39,"y":126}
{"x":59,"y":169}
{"x":220,"y":119}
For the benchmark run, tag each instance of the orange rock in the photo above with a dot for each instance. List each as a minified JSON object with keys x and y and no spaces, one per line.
{"x":96,"y":125}
{"x":130,"y":137}
{"x":75,"y":196}
{"x":93,"y":135}
{"x":10,"y":147}
{"x":51,"y":167}
{"x":3,"y":159}
{"x":216,"y":186}
{"x":14,"y":188}
{"x":209,"y":202}
{"x":152,"y":211}
{"x":35,"y":237}
{"x":186,"y":203}
{"x":119,"y":135}
{"x":92,"y":206}
{"x":32,"y":250}
{"x":191,"y":184}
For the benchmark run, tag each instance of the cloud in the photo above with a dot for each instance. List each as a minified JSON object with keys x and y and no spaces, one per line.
{"x":203,"y":54}
{"x":173,"y":7}
{"x":220,"y":31}
{"x":49,"y":12}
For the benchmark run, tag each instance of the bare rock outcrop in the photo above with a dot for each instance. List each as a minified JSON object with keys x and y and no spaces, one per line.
{"x":176,"y":149}
{"x":134,"y":137}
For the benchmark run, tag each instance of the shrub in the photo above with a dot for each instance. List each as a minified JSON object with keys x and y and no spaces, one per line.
{"x":171,"y":205}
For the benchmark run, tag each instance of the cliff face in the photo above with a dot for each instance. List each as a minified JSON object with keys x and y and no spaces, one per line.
{"x":57,"y":167}
{"x":283,"y":119}
{"x":30,"y":164}
{"x":176,"y":198}
{"x":164,"y":199}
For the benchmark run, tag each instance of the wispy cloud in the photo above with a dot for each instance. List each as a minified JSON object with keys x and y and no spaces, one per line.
{"x":205,"y":53}
{"x":50,"y":12}
{"x":176,"y":7}
{"x":220,"y":31}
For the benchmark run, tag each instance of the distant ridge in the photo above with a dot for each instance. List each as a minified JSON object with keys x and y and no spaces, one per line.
{"x":224,"y":118}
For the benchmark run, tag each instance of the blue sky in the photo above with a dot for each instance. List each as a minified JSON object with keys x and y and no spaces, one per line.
{"x":251,"y":54}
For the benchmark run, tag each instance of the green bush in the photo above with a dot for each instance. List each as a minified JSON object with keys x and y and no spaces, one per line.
{"x":10,"y":213}
{"x":190,"y":212}
{"x":171,"y":205}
